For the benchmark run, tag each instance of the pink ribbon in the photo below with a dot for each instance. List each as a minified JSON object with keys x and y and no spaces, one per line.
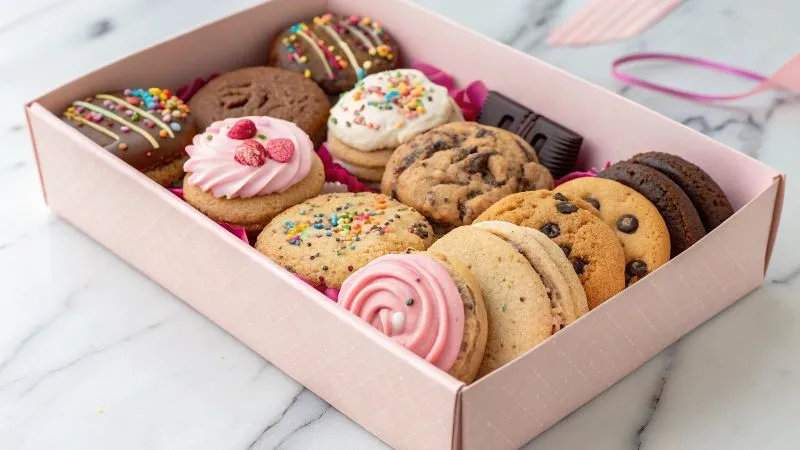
{"x":469,"y":99}
{"x":336,"y":173}
{"x":786,"y":79}
{"x":239,"y":232}
{"x":186,"y":92}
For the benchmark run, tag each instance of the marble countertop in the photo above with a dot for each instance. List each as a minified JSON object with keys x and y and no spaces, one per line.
{"x":93,"y":355}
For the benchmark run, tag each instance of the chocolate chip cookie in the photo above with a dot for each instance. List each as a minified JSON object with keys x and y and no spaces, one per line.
{"x":707,"y":197}
{"x":264,"y":91}
{"x":335,"y":51}
{"x":683,"y":221}
{"x":453,"y":172}
{"x":591,"y":245}
{"x":636,"y":221}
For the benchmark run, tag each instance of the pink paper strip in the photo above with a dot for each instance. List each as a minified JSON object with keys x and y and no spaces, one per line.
{"x":603,"y":21}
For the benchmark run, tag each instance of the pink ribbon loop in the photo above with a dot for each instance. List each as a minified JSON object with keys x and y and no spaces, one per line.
{"x":470,"y":99}
{"x":786,"y":79}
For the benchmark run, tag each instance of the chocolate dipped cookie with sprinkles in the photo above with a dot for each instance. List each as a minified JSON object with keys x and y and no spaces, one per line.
{"x":335,"y":51}
{"x":146,"y":128}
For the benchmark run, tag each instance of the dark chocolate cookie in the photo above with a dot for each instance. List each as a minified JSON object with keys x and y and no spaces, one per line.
{"x":264,"y":91}
{"x":335,"y":51}
{"x":683,"y":221}
{"x":455,"y":171}
{"x":147,"y":128}
{"x":708,"y":198}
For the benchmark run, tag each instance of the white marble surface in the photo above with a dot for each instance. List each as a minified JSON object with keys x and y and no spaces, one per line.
{"x":95,"y":356}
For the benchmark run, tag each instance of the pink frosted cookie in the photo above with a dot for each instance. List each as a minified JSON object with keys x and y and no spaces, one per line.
{"x":245,"y":171}
{"x":425,"y":302}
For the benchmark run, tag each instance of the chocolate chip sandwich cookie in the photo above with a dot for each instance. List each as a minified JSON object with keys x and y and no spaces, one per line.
{"x":383,"y":111}
{"x":452,"y":173}
{"x":591,"y":246}
{"x":635,"y":220}
{"x":529,"y":291}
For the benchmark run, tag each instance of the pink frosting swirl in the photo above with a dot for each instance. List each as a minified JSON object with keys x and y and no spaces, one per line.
{"x":412,"y":299}
{"x":213,"y":167}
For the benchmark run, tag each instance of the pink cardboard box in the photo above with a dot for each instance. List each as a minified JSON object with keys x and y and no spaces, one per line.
{"x":389,"y":391}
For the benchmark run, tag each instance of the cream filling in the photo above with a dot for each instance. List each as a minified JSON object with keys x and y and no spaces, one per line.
{"x":559,"y":320}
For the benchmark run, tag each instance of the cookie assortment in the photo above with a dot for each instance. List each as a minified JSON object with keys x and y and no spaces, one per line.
{"x":480,"y":240}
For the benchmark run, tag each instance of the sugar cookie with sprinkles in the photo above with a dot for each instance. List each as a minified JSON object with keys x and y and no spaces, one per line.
{"x":382,"y":112}
{"x":146,"y":128}
{"x":330,"y":236}
{"x":335,"y":51}
{"x":244,"y":171}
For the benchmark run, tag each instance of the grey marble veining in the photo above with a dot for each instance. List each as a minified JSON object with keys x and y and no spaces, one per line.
{"x":93,"y":355}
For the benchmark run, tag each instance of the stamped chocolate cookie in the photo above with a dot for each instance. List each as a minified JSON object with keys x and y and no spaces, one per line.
{"x":264,"y":91}
{"x":146,"y":128}
{"x":328,"y":237}
{"x":335,"y":51}
{"x":708,"y":198}
{"x":683,"y":221}
{"x":592,"y":247}
{"x":636,"y":221}
{"x":452,"y":173}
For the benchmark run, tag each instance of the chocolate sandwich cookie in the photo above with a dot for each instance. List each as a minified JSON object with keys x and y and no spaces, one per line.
{"x":708,"y":198}
{"x":590,"y":245}
{"x":264,"y":91}
{"x":454,"y":172}
{"x":683,"y":221}
{"x":335,"y":51}
{"x":146,"y":128}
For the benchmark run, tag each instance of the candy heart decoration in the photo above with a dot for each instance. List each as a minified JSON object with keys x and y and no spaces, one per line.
{"x":280,"y":149}
{"x":250,"y":153}
{"x":243,"y":129}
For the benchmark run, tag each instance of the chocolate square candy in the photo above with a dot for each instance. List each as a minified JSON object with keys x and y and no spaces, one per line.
{"x":558,"y":147}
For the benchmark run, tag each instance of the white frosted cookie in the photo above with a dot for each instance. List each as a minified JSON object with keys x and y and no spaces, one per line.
{"x":387,"y":109}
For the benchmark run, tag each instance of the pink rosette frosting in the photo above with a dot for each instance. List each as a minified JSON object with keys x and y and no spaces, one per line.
{"x":214,"y":169}
{"x":412,"y":299}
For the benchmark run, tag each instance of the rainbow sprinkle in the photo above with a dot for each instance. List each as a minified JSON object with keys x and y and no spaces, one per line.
{"x":347,"y":225}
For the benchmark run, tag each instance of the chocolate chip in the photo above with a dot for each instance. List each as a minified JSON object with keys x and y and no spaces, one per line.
{"x":566,"y":249}
{"x":566,"y":207}
{"x":550,"y":229}
{"x":481,"y":132}
{"x":627,"y":223}
{"x":593,"y":201}
{"x":579,"y":264}
{"x":560,"y":197}
{"x":636,"y":268}
{"x":472,"y":194}
{"x":439,"y":144}
{"x":480,"y":163}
